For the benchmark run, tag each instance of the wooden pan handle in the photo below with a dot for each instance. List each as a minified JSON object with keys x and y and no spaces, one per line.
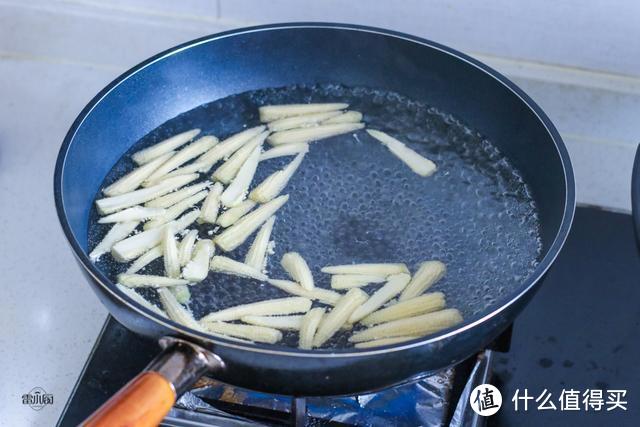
{"x":143,"y":402}
{"x":146,"y":399}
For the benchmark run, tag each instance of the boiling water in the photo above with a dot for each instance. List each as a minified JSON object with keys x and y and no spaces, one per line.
{"x":352,"y":201}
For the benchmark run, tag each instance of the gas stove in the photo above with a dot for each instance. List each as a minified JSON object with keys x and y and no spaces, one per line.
{"x":576,"y":334}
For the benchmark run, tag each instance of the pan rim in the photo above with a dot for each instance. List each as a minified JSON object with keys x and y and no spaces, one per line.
{"x":528,"y":285}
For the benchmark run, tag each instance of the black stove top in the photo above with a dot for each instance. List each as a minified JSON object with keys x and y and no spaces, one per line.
{"x":580,"y":333}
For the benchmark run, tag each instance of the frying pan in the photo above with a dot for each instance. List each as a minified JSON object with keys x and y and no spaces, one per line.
{"x":275,"y":56}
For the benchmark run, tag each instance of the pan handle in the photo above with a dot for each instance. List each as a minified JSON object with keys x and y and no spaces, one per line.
{"x":145,"y":400}
{"x":635,"y":194}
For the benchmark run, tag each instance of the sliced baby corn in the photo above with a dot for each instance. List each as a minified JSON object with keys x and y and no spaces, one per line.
{"x":313,"y":133}
{"x":420,"y":165}
{"x":112,"y":204}
{"x":236,"y":192}
{"x":288,"y":323}
{"x":285,"y":150}
{"x":272,"y":307}
{"x":323,"y":295}
{"x":249,"y":332}
{"x":181,"y":292}
{"x":229,"y":169}
{"x":339,"y":315}
{"x":235,"y":235}
{"x":348,"y":281}
{"x":270,"y":113}
{"x":176,"y":210}
{"x":308,"y":327}
{"x":133,"y":246}
{"x":148,"y":154}
{"x":185,"y":248}
{"x":145,"y":259}
{"x":176,"y":312}
{"x":302,"y":121}
{"x":367,"y":269}
{"x":257,"y":255}
{"x":423,"y":304}
{"x":196,"y":166}
{"x":170,"y":253}
{"x":148,"y":280}
{"x":222,"y":264}
{"x":385,"y":341}
{"x":393,"y":287}
{"x":189,"y":152}
{"x":136,"y":177}
{"x":229,"y":145}
{"x":197,"y":268}
{"x":211,"y":205}
{"x":298,"y":270}
{"x":174,"y":197}
{"x":131,"y":293}
{"x":231,"y":215}
{"x":346,"y":117}
{"x":419,"y":325}
{"x":136,"y":213}
{"x":428,"y":274}
{"x":117,"y":233}
{"x":273,"y":185}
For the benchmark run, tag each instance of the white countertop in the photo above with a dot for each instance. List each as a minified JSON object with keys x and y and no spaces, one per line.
{"x":49,"y":316}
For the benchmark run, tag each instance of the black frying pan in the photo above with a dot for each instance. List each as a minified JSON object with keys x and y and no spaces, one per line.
{"x":282,"y":55}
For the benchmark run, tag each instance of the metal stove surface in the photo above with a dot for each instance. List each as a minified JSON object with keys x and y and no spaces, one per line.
{"x":579,"y":332}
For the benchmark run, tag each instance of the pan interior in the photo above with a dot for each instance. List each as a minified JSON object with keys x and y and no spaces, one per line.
{"x":352,"y":201}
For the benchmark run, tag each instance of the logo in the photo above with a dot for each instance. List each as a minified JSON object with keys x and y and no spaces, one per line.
{"x":485,"y":400}
{"x":37,"y":398}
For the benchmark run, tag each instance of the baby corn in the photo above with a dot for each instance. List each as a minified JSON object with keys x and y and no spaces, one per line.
{"x":297,"y":268}
{"x":346,"y":117}
{"x":197,"y":268}
{"x":308,"y":327}
{"x":420,"y":325}
{"x":302,"y":121}
{"x":235,"y":235}
{"x":333,"y":321}
{"x":428,"y":274}
{"x":289,"y":323}
{"x":269,"y":113}
{"x":136,"y":213}
{"x":367,"y":269}
{"x":323,"y":295}
{"x":222,"y":264}
{"x":148,"y":280}
{"x":136,"y":177}
{"x":117,"y":233}
{"x":176,"y":210}
{"x":185,"y":248}
{"x":385,"y":341}
{"x":174,"y":197}
{"x":145,"y":259}
{"x":348,"y":281}
{"x":285,"y":150}
{"x":420,"y":165}
{"x":231,"y":215}
{"x":275,"y":183}
{"x":257,"y":255}
{"x":313,"y":133}
{"x":170,"y":253}
{"x":148,"y":154}
{"x":271,"y":307}
{"x":112,"y":204}
{"x":176,"y":312}
{"x":190,"y":152}
{"x":229,"y":145}
{"x":423,"y":304}
{"x":211,"y":205}
{"x":133,"y":246}
{"x":393,"y":287}
{"x":229,"y":169}
{"x":237,"y":190}
{"x":249,"y":332}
